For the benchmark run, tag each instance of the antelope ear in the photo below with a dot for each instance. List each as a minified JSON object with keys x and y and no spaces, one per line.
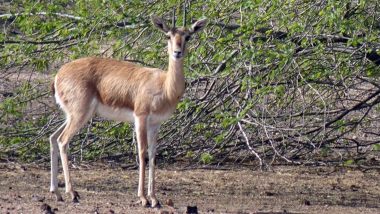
{"x":159,"y":23}
{"x":198,"y":25}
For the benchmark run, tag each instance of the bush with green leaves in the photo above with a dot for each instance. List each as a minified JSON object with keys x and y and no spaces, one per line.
{"x":268,"y":81}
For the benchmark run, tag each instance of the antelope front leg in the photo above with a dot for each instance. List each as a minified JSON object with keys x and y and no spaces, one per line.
{"x":152,"y":143}
{"x":141,"y":132}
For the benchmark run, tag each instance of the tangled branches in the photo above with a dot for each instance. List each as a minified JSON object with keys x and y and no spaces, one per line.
{"x":263,"y":86}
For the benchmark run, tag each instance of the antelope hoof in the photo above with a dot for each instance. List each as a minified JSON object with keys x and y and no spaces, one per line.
{"x":156,"y":203}
{"x":75,"y":197}
{"x":144,"y":202}
{"x":57,"y":196}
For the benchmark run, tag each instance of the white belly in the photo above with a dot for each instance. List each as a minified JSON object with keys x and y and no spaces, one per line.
{"x":127,"y":115}
{"x":116,"y":114}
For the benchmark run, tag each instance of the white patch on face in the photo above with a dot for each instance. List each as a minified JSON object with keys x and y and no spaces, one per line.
{"x":176,"y":46}
{"x":175,"y":58}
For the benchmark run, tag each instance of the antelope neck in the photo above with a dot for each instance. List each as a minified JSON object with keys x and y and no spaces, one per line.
{"x":175,"y":79}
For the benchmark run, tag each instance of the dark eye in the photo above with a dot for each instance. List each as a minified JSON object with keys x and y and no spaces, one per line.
{"x":167,"y":37}
{"x":187,"y":38}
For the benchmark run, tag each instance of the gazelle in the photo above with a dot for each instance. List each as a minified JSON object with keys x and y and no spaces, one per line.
{"x":120,"y":91}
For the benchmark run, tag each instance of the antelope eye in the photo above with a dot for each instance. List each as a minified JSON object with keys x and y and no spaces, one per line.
{"x":167,"y":37}
{"x":187,"y":38}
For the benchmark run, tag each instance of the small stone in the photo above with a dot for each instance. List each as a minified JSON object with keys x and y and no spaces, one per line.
{"x":307,"y":202}
{"x":46,"y":209}
{"x":37,"y":198}
{"x":169,"y":202}
{"x":354,"y":188}
{"x":192,"y":210}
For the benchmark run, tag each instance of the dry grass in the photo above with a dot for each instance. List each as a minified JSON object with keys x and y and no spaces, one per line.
{"x":286,"y":189}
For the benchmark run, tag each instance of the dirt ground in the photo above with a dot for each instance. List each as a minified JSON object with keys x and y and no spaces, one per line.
{"x":25,"y":189}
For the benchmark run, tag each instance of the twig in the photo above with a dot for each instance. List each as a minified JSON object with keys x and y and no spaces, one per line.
{"x":249,"y":146}
{"x":11,"y":16}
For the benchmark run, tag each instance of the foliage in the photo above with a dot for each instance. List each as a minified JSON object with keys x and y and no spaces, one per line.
{"x":291,"y":81}
{"x":206,"y":158}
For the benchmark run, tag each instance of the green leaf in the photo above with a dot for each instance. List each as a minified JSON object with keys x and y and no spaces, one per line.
{"x":206,"y":158}
{"x":376,"y":147}
{"x":349,"y":162}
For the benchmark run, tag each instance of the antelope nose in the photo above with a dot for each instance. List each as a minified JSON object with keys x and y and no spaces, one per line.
{"x":177,"y":54}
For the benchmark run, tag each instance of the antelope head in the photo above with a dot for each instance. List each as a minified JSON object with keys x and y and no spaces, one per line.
{"x":178,"y":37}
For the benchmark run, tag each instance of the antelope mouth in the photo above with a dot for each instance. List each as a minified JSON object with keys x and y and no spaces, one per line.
{"x":177,"y":55}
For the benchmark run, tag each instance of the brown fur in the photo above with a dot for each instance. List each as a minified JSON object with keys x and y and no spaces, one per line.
{"x":115,"y":89}
{"x":120,"y":84}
